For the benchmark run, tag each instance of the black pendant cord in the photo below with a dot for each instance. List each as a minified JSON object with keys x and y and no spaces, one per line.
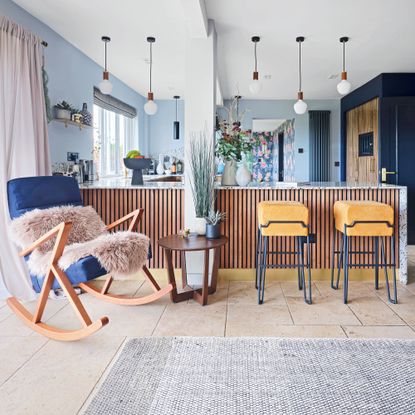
{"x":176,"y":109}
{"x":105,"y":59}
{"x":151,"y":63}
{"x":344,"y":56}
{"x":300,"y":80}
{"x":256,"y":58}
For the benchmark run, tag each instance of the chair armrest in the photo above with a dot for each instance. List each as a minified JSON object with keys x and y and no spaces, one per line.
{"x":135,"y":217}
{"x":61,"y":231}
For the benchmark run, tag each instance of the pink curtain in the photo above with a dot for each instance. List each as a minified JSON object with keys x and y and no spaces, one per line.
{"x":24,"y":148}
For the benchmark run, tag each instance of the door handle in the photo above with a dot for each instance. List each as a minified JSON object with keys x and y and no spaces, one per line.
{"x":384,"y":174}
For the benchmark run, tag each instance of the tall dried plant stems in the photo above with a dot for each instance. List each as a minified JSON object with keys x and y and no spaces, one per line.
{"x":202,"y":166}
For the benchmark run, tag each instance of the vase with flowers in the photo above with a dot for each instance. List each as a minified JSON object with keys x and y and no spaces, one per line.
{"x":233,"y":144}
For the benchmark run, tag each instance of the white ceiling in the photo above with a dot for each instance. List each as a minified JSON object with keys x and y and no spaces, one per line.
{"x":381,"y":32}
{"x":128,"y":23}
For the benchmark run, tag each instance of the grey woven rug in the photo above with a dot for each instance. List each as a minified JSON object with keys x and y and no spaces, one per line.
{"x":186,"y":375}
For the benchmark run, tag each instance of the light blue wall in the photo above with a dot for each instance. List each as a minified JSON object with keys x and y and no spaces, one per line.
{"x":72,"y":76}
{"x":160,"y":128}
{"x":283,"y":109}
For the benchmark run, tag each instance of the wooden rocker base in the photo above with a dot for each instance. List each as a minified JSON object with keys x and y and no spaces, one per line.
{"x":50,"y":331}
{"x":123,"y":300}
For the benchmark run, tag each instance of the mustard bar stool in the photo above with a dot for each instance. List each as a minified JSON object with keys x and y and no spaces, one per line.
{"x":363,"y":218}
{"x":288,"y":219}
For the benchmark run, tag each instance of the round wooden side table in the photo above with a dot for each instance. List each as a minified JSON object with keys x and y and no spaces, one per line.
{"x":192,"y":243}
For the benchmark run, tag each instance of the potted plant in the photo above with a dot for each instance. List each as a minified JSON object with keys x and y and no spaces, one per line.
{"x":202,"y":178}
{"x":213,"y":222}
{"x":232,"y":145}
{"x":63,"y":110}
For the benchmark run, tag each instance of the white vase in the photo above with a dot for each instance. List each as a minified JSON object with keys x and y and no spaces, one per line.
{"x":199,"y":226}
{"x":243,"y":175}
{"x":229,"y":173}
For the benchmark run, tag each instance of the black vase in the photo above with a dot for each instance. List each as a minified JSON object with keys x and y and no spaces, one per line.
{"x":212,"y":231}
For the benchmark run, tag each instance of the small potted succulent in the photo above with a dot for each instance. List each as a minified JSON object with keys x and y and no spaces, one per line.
{"x":63,"y":110}
{"x":213,"y":221}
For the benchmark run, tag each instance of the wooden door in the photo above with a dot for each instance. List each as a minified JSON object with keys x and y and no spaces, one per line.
{"x":362,"y":143}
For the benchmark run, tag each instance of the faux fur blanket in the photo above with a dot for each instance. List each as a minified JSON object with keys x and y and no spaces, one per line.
{"x":120,"y":253}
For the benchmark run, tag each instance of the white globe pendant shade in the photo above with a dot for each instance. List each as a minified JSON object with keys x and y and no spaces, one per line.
{"x":150,"y":107}
{"x":300,"y":107}
{"x":105,"y":87}
{"x":255,"y":86}
{"x":344,"y":87}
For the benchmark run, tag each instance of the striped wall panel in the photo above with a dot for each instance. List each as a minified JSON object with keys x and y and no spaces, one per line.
{"x":240,"y":206}
{"x":164,"y":212}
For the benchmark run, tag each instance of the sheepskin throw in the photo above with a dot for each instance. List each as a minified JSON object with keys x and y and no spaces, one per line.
{"x":120,"y":253}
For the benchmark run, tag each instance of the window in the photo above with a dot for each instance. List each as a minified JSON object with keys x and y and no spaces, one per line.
{"x":114,"y":136}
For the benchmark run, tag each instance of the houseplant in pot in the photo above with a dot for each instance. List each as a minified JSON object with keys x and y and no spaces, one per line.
{"x":202,"y":178}
{"x":213,"y":222}
{"x":232,"y":145}
{"x":63,"y":110}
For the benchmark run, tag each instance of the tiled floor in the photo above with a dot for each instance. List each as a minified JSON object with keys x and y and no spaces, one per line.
{"x":38,"y":376}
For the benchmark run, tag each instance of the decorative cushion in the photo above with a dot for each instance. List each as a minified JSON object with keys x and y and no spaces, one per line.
{"x":346,"y":212}
{"x":283,"y":211}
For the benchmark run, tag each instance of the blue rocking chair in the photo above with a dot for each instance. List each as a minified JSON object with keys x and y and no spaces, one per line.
{"x":25,"y":194}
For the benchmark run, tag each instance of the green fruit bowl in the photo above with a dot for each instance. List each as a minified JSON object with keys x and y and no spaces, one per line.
{"x":137,"y":166}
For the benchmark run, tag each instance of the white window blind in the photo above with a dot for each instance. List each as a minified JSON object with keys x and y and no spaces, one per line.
{"x":114,"y":136}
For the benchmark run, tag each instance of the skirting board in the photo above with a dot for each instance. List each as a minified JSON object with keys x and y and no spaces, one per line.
{"x":240,"y":274}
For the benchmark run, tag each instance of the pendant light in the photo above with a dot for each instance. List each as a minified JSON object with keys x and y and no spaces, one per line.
{"x":300,"y":107}
{"x":176,"y":124}
{"x":255,"y":86}
{"x":105,"y":85}
{"x":150,"y":107}
{"x":344,"y":86}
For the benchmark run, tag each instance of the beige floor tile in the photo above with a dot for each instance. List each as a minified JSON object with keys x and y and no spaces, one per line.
{"x":121,"y":287}
{"x":372,"y":311}
{"x":244,"y":292}
{"x":59,"y":378}
{"x":5,"y":311}
{"x":290,"y":289}
{"x":13,"y":326}
{"x":405,"y":309}
{"x":15,"y":351}
{"x":325,"y":310}
{"x":297,"y":331}
{"x":133,"y":321}
{"x":378,"y":332}
{"x":183,"y":319}
{"x":256,"y":320}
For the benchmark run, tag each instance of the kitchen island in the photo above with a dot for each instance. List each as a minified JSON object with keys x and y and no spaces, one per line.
{"x":164,"y":214}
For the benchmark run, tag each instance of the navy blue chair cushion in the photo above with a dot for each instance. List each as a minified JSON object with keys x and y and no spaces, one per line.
{"x":84,"y":270}
{"x":41,"y":192}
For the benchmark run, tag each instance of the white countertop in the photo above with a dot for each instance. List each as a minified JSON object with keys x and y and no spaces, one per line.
{"x":125,"y":183}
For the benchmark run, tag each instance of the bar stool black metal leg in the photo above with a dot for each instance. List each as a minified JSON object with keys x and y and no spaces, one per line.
{"x":340,"y":263}
{"x":346,"y":267}
{"x":384,"y":263}
{"x":261,"y":288}
{"x":376,"y":260}
{"x":308,"y":298}
{"x":395,"y":291}
{"x":297,"y":248}
{"x":333,"y":253}
{"x":257,"y":257}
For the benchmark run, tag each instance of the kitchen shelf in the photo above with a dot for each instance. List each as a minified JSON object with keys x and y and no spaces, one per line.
{"x":75,"y":124}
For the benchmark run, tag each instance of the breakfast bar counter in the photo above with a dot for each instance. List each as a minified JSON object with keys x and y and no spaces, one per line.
{"x":164,"y":215}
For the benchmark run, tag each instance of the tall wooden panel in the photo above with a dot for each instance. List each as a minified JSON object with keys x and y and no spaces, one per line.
{"x":163,"y":215}
{"x":359,"y":121}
